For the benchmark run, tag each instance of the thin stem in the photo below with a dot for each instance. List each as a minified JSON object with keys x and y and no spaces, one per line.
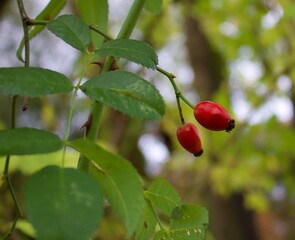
{"x":95,"y":29}
{"x":13,"y":108}
{"x":8,"y":235}
{"x":180,"y":110}
{"x":14,"y":198}
{"x":6,"y":170}
{"x":36,"y":22}
{"x":76,"y":88}
{"x":25,"y":19}
{"x":155,"y":215}
{"x":71,"y":110}
{"x":183,"y":98}
{"x":171,"y":77}
{"x":178,"y":93}
{"x":13,"y":112}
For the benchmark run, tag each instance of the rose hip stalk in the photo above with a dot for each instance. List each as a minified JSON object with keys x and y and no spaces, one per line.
{"x":189,"y":138}
{"x":213,"y":116}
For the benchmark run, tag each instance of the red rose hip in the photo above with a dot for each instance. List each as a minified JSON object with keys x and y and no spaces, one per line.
{"x":213,"y":116}
{"x":189,"y":138}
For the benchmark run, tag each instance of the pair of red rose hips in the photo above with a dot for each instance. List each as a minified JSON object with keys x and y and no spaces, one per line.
{"x":211,"y":116}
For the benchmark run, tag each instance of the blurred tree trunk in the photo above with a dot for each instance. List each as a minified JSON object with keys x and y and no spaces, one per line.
{"x":229,"y":220}
{"x":123,"y":133}
{"x":206,"y":62}
{"x":3,"y":4}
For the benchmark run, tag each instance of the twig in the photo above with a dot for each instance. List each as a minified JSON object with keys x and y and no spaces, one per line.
{"x":6,"y":177}
{"x":178,"y":93}
{"x":25,"y":19}
{"x":95,"y":29}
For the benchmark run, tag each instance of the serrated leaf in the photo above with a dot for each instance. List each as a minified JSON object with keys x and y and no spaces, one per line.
{"x":72,"y":30}
{"x":163,"y":235}
{"x":188,"y":222}
{"x":154,"y":6}
{"x":163,"y":195}
{"x":189,"y":216}
{"x":148,"y":224}
{"x":22,"y":141}
{"x":32,"y":82}
{"x":133,"y":50}
{"x":127,"y":93}
{"x":63,"y":204}
{"x":95,"y":12}
{"x":120,"y":182}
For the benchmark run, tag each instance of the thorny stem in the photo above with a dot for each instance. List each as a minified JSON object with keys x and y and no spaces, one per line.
{"x":6,"y":177}
{"x":25,"y":19}
{"x":96,"y":110}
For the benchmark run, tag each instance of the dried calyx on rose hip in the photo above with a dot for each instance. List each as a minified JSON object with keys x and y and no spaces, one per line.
{"x":189,"y":138}
{"x":213,"y":116}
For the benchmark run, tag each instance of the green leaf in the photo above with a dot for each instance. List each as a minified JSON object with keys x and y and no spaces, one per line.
{"x":148,"y":224}
{"x":95,"y":12}
{"x":189,"y":216}
{"x":163,"y":235}
{"x":188,"y":222}
{"x":22,"y":141}
{"x":154,"y":6}
{"x":72,"y":30}
{"x":63,"y":204}
{"x":32,"y":82}
{"x":126,"y":92}
{"x":163,"y":195}
{"x":120,"y":182}
{"x":133,"y":50}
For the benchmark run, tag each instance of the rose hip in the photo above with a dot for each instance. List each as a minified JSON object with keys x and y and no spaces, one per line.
{"x":213,"y":116}
{"x":189,"y":138}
